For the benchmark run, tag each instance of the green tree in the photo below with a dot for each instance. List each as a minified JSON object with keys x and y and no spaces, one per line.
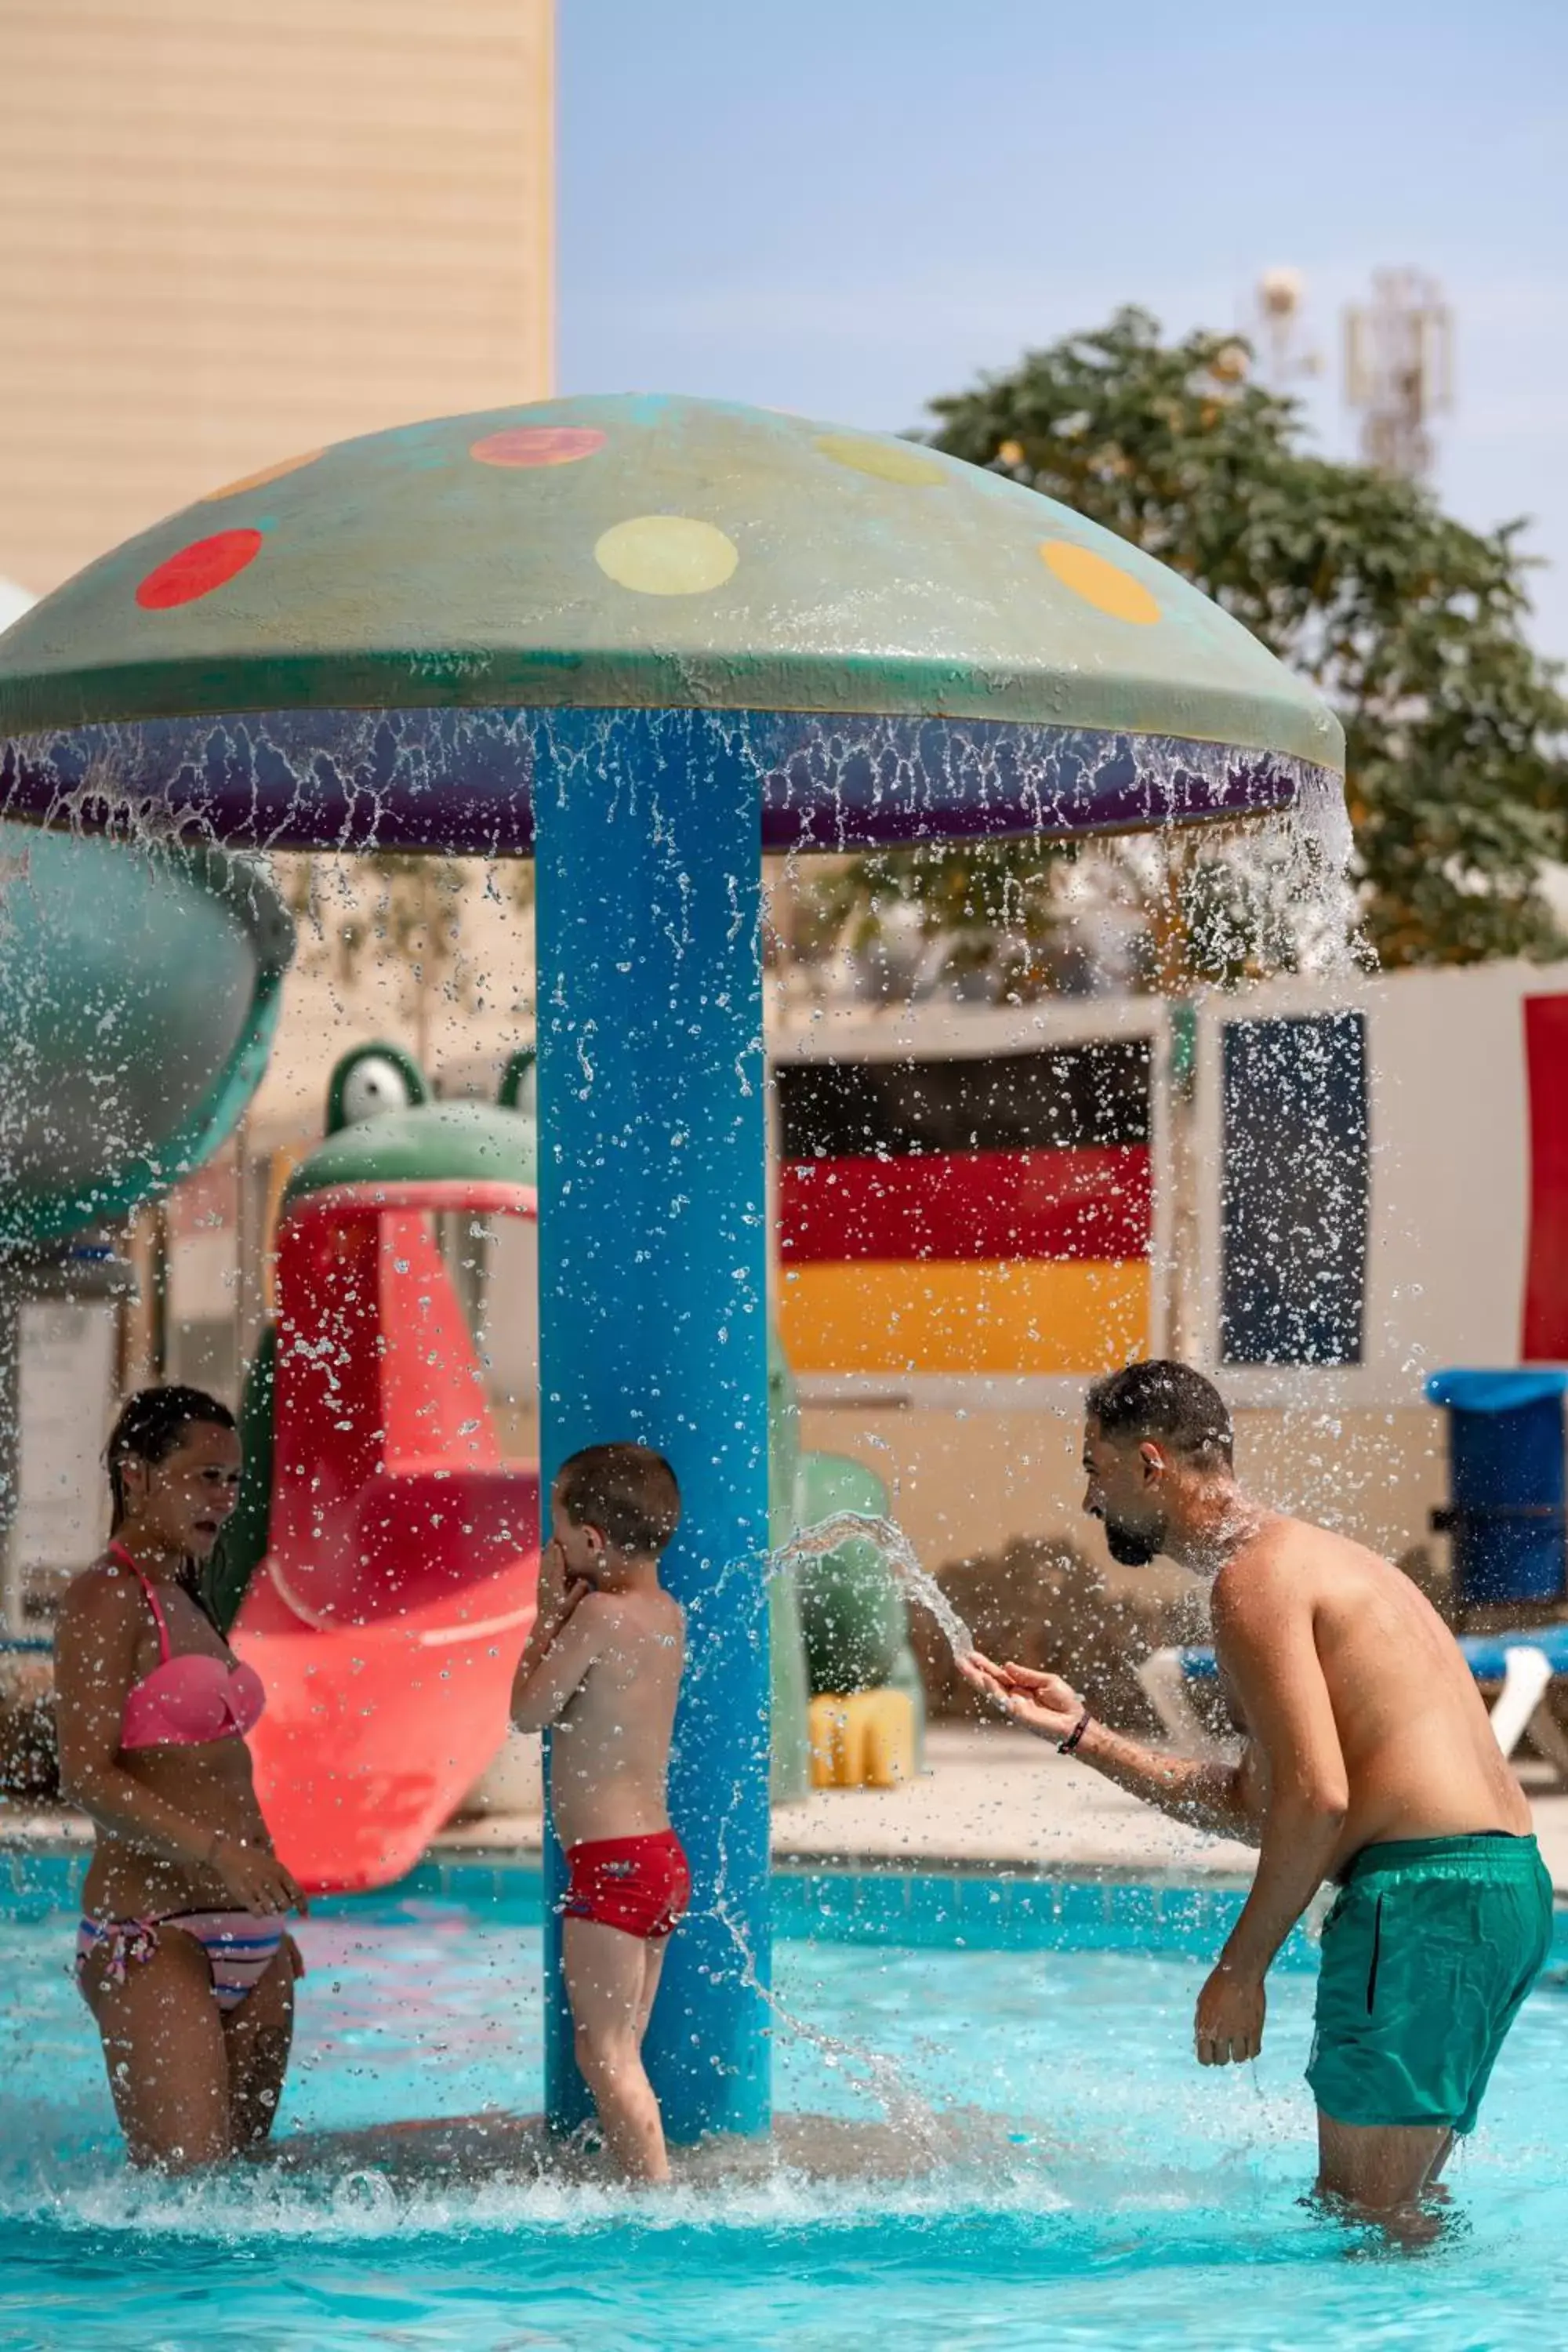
{"x":1411,"y":624}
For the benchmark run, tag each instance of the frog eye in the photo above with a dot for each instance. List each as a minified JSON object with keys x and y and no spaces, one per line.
{"x":375,"y":1084}
{"x":520,"y":1082}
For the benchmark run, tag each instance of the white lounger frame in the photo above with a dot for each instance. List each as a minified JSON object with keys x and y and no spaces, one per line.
{"x":1520,"y":1705}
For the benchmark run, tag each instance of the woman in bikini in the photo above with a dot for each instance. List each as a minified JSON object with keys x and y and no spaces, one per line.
{"x":181,"y":1954}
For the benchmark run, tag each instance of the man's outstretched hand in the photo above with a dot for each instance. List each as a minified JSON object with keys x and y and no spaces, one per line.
{"x":1041,"y":1703}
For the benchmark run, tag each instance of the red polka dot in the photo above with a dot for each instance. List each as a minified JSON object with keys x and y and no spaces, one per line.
{"x":538,"y":445}
{"x":198,"y":568}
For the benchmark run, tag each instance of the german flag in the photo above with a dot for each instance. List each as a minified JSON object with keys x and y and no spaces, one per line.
{"x":966,"y":1215}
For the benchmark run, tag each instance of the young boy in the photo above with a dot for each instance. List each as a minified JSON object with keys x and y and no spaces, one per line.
{"x":603,"y":1664}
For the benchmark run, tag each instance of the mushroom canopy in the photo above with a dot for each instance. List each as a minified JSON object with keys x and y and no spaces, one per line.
{"x":366,"y":643}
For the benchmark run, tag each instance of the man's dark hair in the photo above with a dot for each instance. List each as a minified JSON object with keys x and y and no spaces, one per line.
{"x":1168,"y":1402}
{"x":629,"y":1492}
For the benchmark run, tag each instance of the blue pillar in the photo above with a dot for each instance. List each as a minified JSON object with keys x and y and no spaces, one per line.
{"x":652,"y":1253}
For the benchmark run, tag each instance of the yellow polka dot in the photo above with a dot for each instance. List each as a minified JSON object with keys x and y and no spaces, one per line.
{"x":891,"y":461}
{"x":268,"y":474}
{"x":1101,"y":583}
{"x":667,"y":555}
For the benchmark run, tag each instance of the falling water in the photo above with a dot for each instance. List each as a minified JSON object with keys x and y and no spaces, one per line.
{"x":825,"y":1535}
{"x":822,"y":786}
{"x":1290,"y":875}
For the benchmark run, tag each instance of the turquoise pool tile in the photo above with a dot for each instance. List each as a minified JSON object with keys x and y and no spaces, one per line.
{"x":1135,"y":1911}
{"x":803,"y":1904}
{"x":1031,"y":1913}
{"x":936,"y":1910}
{"x":987,"y":1911}
{"x":39,"y":1881}
{"x":933,"y":1910}
{"x":1082,"y":1915}
{"x":843,"y":1906}
{"x":475,"y":1883}
{"x":879,"y":1904}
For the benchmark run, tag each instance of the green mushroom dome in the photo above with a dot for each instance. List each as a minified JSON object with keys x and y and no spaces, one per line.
{"x":363,"y":643}
{"x":638,"y":550}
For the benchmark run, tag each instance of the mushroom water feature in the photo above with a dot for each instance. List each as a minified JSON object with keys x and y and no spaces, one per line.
{"x":645,"y":639}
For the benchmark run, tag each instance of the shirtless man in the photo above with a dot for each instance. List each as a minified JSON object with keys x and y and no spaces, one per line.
{"x":604,"y":1665}
{"x":1368,"y":1760}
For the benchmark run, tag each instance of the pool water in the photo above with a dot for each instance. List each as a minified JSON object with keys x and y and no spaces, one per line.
{"x":1098,"y":2187}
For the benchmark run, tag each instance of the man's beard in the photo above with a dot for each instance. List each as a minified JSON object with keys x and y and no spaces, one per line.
{"x":1130,"y":1548}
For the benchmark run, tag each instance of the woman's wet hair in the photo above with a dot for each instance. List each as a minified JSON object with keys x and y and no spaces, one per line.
{"x":1167,"y":1402}
{"x":629,"y":1492}
{"x":151,"y":1425}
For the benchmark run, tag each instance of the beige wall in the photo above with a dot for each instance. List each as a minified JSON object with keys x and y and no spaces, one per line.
{"x":231,"y":230}
{"x":964,"y":1484}
{"x":475,"y":1008}
{"x":1451,"y":1206}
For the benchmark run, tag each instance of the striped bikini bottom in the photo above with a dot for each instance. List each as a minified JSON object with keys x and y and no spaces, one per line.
{"x":240,"y":1947}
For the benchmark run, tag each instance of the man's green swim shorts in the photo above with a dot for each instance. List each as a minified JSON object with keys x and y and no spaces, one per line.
{"x":1428,"y":1954}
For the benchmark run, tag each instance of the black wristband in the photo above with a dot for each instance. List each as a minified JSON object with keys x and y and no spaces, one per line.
{"x":1069,"y":1746}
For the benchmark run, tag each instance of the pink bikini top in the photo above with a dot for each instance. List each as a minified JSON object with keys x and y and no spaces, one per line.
{"x":189,"y":1700}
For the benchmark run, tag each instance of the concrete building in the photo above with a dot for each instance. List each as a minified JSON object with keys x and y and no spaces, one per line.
{"x":232,"y":230}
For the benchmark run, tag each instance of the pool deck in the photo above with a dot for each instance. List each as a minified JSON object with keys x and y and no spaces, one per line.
{"x":993,"y":1799}
{"x":1001,"y":1799}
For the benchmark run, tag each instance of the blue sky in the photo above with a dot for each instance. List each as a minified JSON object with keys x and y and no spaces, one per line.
{"x":846,"y":208}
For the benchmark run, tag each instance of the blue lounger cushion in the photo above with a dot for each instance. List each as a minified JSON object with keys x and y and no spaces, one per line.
{"x":1484,"y":1652}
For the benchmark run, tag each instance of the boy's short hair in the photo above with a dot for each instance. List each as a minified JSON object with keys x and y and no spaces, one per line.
{"x":629,"y":1492}
{"x":1167,"y":1401}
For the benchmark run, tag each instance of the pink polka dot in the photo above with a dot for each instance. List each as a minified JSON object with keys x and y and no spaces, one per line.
{"x":198,"y":568}
{"x":538,"y":445}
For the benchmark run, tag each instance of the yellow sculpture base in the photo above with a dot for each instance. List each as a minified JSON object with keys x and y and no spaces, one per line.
{"x":865,"y":1740}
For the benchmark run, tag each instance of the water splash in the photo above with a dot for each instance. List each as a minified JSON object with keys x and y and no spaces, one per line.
{"x":1263,"y":897}
{"x":825,"y":1535}
{"x":464,"y":779}
{"x":910,"y":2114}
{"x":869,"y":2072}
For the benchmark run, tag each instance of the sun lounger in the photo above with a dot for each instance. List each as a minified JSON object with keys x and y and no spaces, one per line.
{"x":1521,"y":1666}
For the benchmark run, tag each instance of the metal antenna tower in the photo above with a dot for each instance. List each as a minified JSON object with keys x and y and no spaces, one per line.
{"x":1399,"y":369}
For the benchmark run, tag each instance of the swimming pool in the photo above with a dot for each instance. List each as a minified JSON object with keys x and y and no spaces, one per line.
{"x":1095,"y":2186}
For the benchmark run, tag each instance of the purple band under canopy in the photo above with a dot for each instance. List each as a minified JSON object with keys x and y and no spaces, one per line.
{"x":461,"y":780}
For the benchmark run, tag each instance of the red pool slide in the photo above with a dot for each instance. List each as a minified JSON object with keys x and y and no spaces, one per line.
{"x":398,"y":1585}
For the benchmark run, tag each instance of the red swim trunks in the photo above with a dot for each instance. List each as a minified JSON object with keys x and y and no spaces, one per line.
{"x":639,"y":1884}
